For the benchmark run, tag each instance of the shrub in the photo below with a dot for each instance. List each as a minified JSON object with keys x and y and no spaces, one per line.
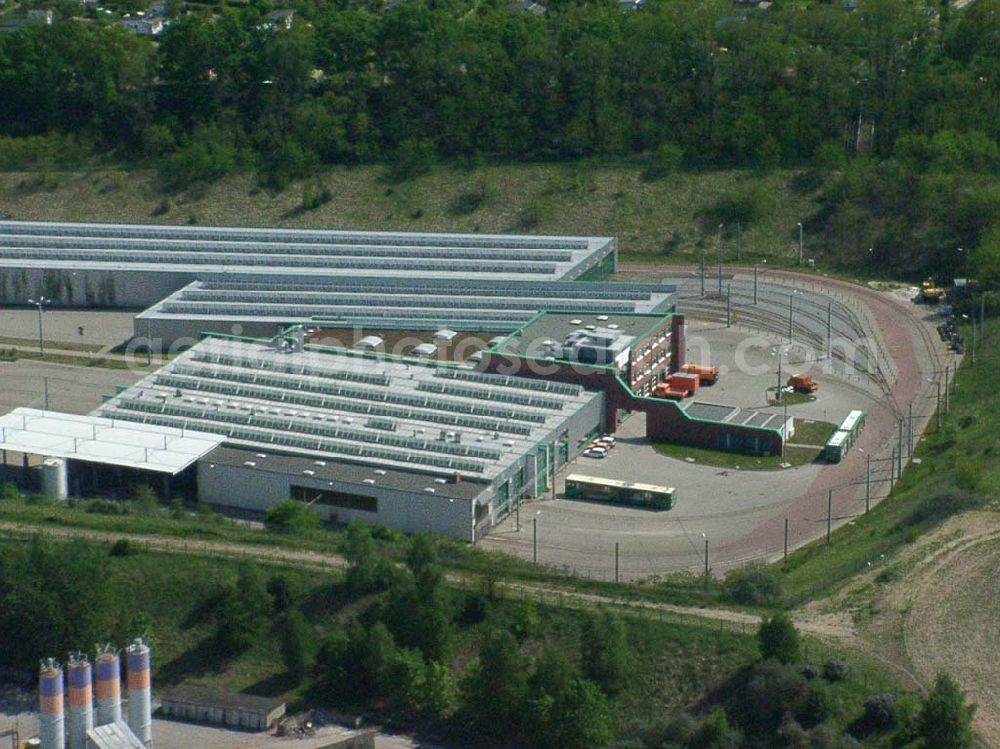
{"x":9,"y":492}
{"x":945,"y":721}
{"x":121,"y":548}
{"x":412,"y":158}
{"x":606,"y":654}
{"x":469,"y":202}
{"x":290,"y":516}
{"x":144,"y":500}
{"x":777,"y":638}
{"x":753,"y":585}
{"x":880,"y":711}
{"x":296,"y":642}
{"x":834,"y":670}
{"x":524,"y":620}
{"x":745,"y":204}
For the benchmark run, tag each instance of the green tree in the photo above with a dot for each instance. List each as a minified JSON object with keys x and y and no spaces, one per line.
{"x":605,"y":651}
{"x":291,"y":516}
{"x":497,"y":685}
{"x":579,"y":716}
{"x":945,"y":720}
{"x":9,"y":492}
{"x":242,"y":610}
{"x":362,"y":559}
{"x":777,"y":638}
{"x":296,"y":641}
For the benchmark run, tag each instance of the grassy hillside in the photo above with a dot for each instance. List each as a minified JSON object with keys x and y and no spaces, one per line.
{"x":672,"y":218}
{"x":959,"y":470}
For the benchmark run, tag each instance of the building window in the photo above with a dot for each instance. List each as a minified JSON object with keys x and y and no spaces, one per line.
{"x":343,"y":500}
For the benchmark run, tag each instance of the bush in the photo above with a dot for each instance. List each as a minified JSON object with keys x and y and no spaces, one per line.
{"x":880,"y":711}
{"x":753,"y":585}
{"x":291,"y":516}
{"x":121,"y":548}
{"x":144,"y":500}
{"x":9,"y":492}
{"x":412,"y":159}
{"x":747,"y":203}
{"x":777,"y":638}
{"x":834,"y":670}
{"x":606,"y":654}
{"x":296,"y":642}
{"x":667,"y":160}
{"x":469,"y":202}
{"x":313,"y":196}
{"x":945,"y":721}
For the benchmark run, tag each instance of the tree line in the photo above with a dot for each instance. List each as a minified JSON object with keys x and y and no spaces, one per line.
{"x":353,"y":82}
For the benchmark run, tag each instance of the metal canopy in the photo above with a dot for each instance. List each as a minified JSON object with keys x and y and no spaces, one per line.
{"x":148,"y":447}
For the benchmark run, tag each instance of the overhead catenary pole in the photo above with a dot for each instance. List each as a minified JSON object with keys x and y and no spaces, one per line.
{"x":791,"y":301}
{"x":729,"y":305}
{"x":938,"y":411}
{"x":706,"y":554}
{"x":829,"y":516}
{"x":800,"y":242}
{"x":909,"y":432}
{"x":899,"y":452}
{"x":755,"y":283}
{"x":617,"y":578}
{"x":868,"y":483}
{"x":982,"y":317}
{"x":534,"y":540}
{"x":786,"y":542}
{"x":946,"y":370}
{"x":829,"y":330}
{"x":892,"y":469}
{"x":720,"y":259}
{"x":703,"y":270}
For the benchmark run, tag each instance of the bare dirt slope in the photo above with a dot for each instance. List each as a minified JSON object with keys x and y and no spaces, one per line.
{"x":935,"y":607}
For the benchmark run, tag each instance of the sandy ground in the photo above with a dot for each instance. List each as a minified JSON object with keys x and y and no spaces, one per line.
{"x":937,"y":612}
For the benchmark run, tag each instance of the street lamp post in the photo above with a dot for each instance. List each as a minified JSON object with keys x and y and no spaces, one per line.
{"x":800,"y":242}
{"x":41,"y":340}
{"x":706,"y":554}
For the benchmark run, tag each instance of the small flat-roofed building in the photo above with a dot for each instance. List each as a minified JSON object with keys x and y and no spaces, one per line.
{"x":204,"y":705}
{"x":371,"y":342}
{"x":444,"y":336}
{"x":115,"y":735}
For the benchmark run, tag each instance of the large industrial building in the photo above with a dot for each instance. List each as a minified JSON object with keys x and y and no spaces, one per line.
{"x":122,"y":265}
{"x":449,"y":445}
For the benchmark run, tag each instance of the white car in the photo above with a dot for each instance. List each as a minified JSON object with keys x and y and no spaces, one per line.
{"x":595,"y":452}
{"x":608,"y":439}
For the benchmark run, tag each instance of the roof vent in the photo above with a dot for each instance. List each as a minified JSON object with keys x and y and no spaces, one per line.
{"x":380,"y":471}
{"x":309,"y":472}
{"x":440,"y":481}
{"x":261,"y":455}
{"x":613,"y":326}
{"x":575,"y":322}
{"x":249,"y":463}
{"x":319,"y":462}
{"x":430,"y":489}
{"x":591,"y":327}
{"x":602,"y":318}
{"x":367,"y":481}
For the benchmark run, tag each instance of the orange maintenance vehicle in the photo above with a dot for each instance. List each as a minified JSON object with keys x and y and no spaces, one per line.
{"x":663,"y":390}
{"x":707,"y":375}
{"x":803,"y":383}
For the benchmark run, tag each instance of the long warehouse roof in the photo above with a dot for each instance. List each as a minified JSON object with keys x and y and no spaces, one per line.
{"x":405,"y":304}
{"x":339,"y":404}
{"x":281,"y":252}
{"x":150,"y":447}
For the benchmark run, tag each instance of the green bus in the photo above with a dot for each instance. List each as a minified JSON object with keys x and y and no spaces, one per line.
{"x":620,"y":492}
{"x":844,"y":438}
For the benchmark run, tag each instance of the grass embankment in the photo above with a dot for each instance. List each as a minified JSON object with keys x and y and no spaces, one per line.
{"x":674,"y":661}
{"x":959,"y":470}
{"x":198,"y":528}
{"x":671,"y":220}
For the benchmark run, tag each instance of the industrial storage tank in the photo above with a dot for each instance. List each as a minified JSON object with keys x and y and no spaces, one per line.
{"x":108,"y":685}
{"x":55,"y":482}
{"x":140,"y":707}
{"x":51,"y":721}
{"x":81,"y":700}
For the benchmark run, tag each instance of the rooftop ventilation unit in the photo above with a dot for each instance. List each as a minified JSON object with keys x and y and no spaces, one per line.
{"x":367,"y":481}
{"x":430,"y":489}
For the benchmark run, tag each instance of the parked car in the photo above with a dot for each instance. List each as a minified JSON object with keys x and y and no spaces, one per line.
{"x":609,"y":439}
{"x":595,"y":452}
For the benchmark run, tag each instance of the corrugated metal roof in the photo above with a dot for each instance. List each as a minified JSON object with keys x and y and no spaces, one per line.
{"x":195,"y":694}
{"x":150,"y":447}
{"x":113,"y":736}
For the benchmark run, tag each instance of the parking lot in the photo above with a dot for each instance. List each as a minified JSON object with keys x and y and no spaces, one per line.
{"x":723,"y":504}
